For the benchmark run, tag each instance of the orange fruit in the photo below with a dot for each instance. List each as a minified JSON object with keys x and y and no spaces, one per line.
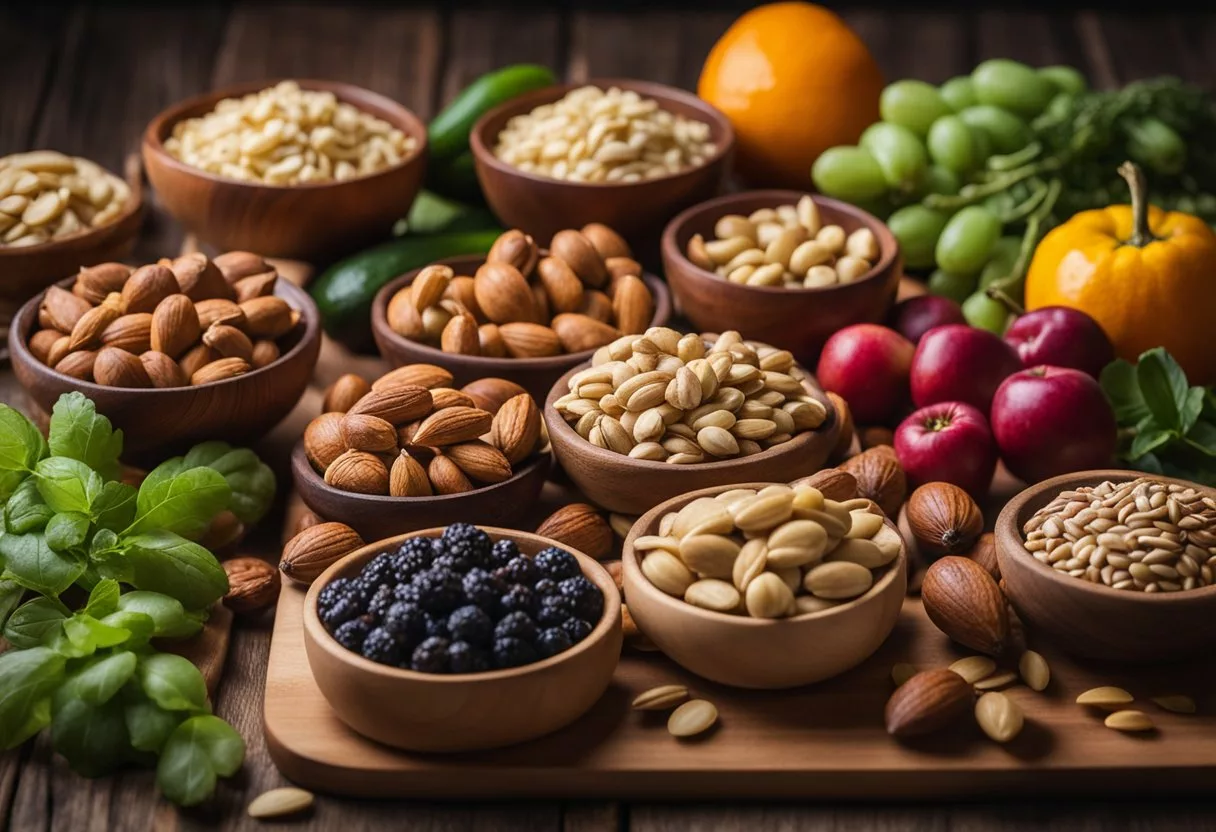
{"x":794,"y":80}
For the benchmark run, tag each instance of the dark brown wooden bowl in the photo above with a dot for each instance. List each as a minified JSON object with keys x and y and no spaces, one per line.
{"x":158,"y":422}
{"x":799,"y":320}
{"x":467,"y":711}
{"x":542,"y":206}
{"x":1092,"y":620}
{"x":634,"y":486}
{"x":536,"y":375}
{"x":306,"y":222}
{"x":375,"y":516}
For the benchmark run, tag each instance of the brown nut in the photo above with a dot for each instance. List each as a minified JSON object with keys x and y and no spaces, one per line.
{"x":561,"y":285}
{"x":255,"y":286}
{"x":479,"y":461}
{"x":94,"y":283}
{"x":114,"y":367}
{"x":196,"y":358}
{"x":60,"y":310}
{"x":490,"y":394}
{"x":219,"y":370}
{"x":515,"y":429}
{"x":516,"y":249}
{"x":199,"y":278}
{"x":489,"y":341}
{"x":606,"y":242}
{"x":527,"y":340}
{"x":927,"y":702}
{"x":358,"y":471}
{"x":219,"y":311}
{"x":41,"y":342}
{"x":267,"y":317}
{"x":234,"y":265}
{"x":446,"y":476}
{"x":503,"y":294}
{"x":132,"y":333}
{"x":175,"y":326}
{"x":343,"y":393}
{"x":632,"y":305}
{"x":77,"y":364}
{"x":315,"y":548}
{"x":407,"y":477}
{"x":879,"y":477}
{"x":944,"y":519}
{"x":367,"y":433}
{"x":579,"y":526}
{"x":965,"y":603}
{"x":253,"y":585}
{"x":581,"y":256}
{"x":229,"y":342}
{"x":265,"y":353}
{"x":323,"y":442}
{"x":162,"y":370}
{"x":579,"y":333}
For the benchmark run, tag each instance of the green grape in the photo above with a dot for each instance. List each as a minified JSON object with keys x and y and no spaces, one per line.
{"x":1065,"y":79}
{"x":848,"y":173}
{"x":966,"y":242}
{"x":959,"y":93}
{"x":898,"y":152}
{"x":940,"y":180}
{"x":1004,"y":255}
{"x":982,"y":312}
{"x":983,"y":142}
{"x":917,"y":229}
{"x":912,"y":104}
{"x":1059,"y":107}
{"x":1006,"y":131}
{"x":952,"y":145}
{"x":957,"y":287}
{"x":1013,"y":86}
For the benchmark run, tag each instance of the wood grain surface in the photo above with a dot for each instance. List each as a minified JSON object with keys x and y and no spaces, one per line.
{"x":86,"y":79}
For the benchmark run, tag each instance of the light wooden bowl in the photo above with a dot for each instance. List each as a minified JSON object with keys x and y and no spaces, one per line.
{"x":536,"y":375}
{"x":636,"y":210}
{"x":463,"y":712}
{"x":1092,"y":620}
{"x":633,"y":486}
{"x":376,"y":516}
{"x":799,"y":320}
{"x":157,"y":422}
{"x":760,"y":653}
{"x":307,"y":222}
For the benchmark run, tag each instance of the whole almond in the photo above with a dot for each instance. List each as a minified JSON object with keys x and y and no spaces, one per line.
{"x":115,"y":367}
{"x":77,"y":364}
{"x":452,"y":425}
{"x":361,"y":432}
{"x":461,"y":289}
{"x":132,"y":333}
{"x":844,"y":440}
{"x":515,"y":429}
{"x":41,"y":342}
{"x":460,"y":336}
{"x":87,"y":332}
{"x":219,"y":311}
{"x":490,"y":394}
{"x":407,"y":477}
{"x":984,"y":553}
{"x":418,"y":375}
{"x":446,"y":476}
{"x":526,"y":340}
{"x":578,"y":333}
{"x":253,"y":585}
{"x":358,"y":471}
{"x":833,"y":483}
{"x":579,"y":526}
{"x":597,"y":305}
{"x":429,"y":285}
{"x":397,"y":405}
{"x":58,"y":350}
{"x":964,"y":602}
{"x":516,"y":249}
{"x":316,"y":548}
{"x":879,"y":477}
{"x":442,"y":397}
{"x":323,"y":442}
{"x":403,"y":318}
{"x":94,"y":283}
{"x":175,"y":326}
{"x":343,"y":393}
{"x":267,"y":317}
{"x":162,"y":370}
{"x":234,"y":265}
{"x":619,"y":267}
{"x":228,"y":341}
{"x":927,"y":702}
{"x":147,"y":287}
{"x":606,"y":241}
{"x":581,"y":256}
{"x":479,"y":461}
{"x":199,"y":278}
{"x":503,"y":295}
{"x":632,"y":305}
{"x":197,"y":357}
{"x":60,"y":310}
{"x":265,"y":353}
{"x":255,"y":286}
{"x":219,"y":370}
{"x":562,"y":286}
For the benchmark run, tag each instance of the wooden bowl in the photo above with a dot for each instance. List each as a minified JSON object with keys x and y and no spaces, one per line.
{"x":542,"y":206}
{"x":536,"y":375}
{"x":799,"y":320}
{"x":1092,"y":620}
{"x":307,"y":221}
{"x":760,"y":653}
{"x":463,"y":712}
{"x":633,"y":486}
{"x":158,"y":422}
{"x":26,"y":271}
{"x":375,"y":516}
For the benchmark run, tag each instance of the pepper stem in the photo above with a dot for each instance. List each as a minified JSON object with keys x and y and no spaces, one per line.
{"x":1138,"y":184}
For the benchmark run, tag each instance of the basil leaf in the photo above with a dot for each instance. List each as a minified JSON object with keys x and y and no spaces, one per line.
{"x":98,"y":681}
{"x":149,"y":725}
{"x":172,"y":682}
{"x":35,"y":565}
{"x":139,"y":626}
{"x":1191,"y":408}
{"x":67,"y":530}
{"x":87,"y":634}
{"x":1163,"y":385}
{"x":251,"y":480}
{"x":35,"y":622}
{"x":11,"y":593}
{"x":196,"y":752}
{"x":79,"y":432}
{"x":92,"y":739}
{"x":1202,"y":437}
{"x":1118,"y":381}
{"x":27,"y":679}
{"x":169,"y":617}
{"x":9,"y":480}
{"x":25,"y":510}
{"x":21,"y":444}
{"x":1148,"y":441}
{"x":103,"y":599}
{"x":114,"y":508}
{"x":165,"y":562}
{"x":67,"y":484}
{"x":183,"y":504}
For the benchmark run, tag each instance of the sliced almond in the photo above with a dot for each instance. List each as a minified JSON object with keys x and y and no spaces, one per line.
{"x":1130,"y":721}
{"x":1034,"y":670}
{"x":660,"y":698}
{"x":278,"y":803}
{"x":974,"y":668}
{"x":1108,"y":697}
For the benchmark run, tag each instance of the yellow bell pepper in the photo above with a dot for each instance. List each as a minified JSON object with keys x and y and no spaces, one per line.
{"x":1148,"y":277}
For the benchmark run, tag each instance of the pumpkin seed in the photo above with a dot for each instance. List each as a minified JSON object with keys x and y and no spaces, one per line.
{"x":660,"y":698}
{"x":692,"y":718}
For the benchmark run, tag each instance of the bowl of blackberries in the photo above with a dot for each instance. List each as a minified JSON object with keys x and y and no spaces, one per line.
{"x":462,"y":638}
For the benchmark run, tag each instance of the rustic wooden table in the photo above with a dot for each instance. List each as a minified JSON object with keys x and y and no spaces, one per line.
{"x":87,"y":79}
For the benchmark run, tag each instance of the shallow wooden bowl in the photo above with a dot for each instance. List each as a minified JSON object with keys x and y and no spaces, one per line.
{"x":633,"y":486}
{"x":375,"y":516}
{"x":1092,"y":620}
{"x":799,"y":320}
{"x":760,"y":653}
{"x":637,"y":210}
{"x":305,"y":222}
{"x":463,"y":712}
{"x":536,"y":375}
{"x":158,"y":422}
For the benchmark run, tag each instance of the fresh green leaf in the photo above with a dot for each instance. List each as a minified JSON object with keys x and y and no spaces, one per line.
{"x":27,"y":679}
{"x":21,"y":445}
{"x":148,"y":724}
{"x":1148,"y":441}
{"x":67,"y":530}
{"x":89,"y":633}
{"x":67,"y":484}
{"x":251,"y":480}
{"x":25,"y":510}
{"x":225,"y":748}
{"x":97,"y":682}
{"x":1163,"y":385}
{"x":196,"y":752}
{"x":92,"y":739}
{"x":172,"y":682}
{"x":11,"y":593}
{"x":169,"y":617}
{"x":1191,"y":408}
{"x":165,"y":562}
{"x":35,"y":565}
{"x":107,"y":557}
{"x":1119,"y":383}
{"x":35,"y":622}
{"x":103,"y":599}
{"x":79,"y":432}
{"x":1202,"y":438}
{"x":114,"y":507}
{"x":183,"y":504}
{"x":9,"y":481}
{"x":139,"y":626}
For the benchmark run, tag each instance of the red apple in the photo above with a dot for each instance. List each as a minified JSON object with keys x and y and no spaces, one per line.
{"x":1052,"y":420}
{"x":1062,"y":337}
{"x":959,"y":363}
{"x":947,"y":442}
{"x":867,"y":365}
{"x":913,"y":317}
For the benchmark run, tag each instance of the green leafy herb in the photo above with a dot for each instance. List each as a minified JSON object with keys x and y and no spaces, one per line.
{"x":10,"y":597}
{"x":183,"y":503}
{"x":114,"y":508}
{"x":92,"y":738}
{"x":78,"y":432}
{"x":168,"y":563}
{"x":67,"y":530}
{"x":103,"y":599}
{"x":198,"y":750}
{"x":98,"y":681}
{"x":67,"y":484}
{"x":29,"y":561}
{"x":148,"y":725}
{"x":21,"y":445}
{"x":172,"y":682}
{"x":30,"y":677}
{"x":169,"y":618}
{"x":35,"y":622}
{"x":251,"y":480}
{"x":25,"y":510}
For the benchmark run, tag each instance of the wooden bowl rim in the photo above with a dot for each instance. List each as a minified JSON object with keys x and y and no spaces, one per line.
{"x":26,"y":317}
{"x":591,"y":569}
{"x":393,"y":112}
{"x":888,"y":245}
{"x":489,"y":365}
{"x":1009,"y":536}
{"x":558,"y":425}
{"x":662,"y":93}
{"x":650,"y":520}
{"x":300,"y":464}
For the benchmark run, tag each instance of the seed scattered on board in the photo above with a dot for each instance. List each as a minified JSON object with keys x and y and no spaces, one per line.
{"x":692,"y":718}
{"x":1176,"y":703}
{"x":1105,"y":697}
{"x":660,"y":698}
{"x":1129,"y":721}
{"x":278,"y":803}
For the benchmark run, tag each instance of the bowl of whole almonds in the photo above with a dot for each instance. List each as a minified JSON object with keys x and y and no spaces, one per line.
{"x":765,"y":585}
{"x":175,"y":352}
{"x":1112,"y":565}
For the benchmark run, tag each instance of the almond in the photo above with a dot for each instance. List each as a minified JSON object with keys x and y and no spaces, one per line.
{"x":234,"y":265}
{"x":114,"y":367}
{"x":132,"y":333}
{"x":280,"y":802}
{"x":515,"y":429}
{"x":175,"y":326}
{"x":196,"y":358}
{"x":579,"y":333}
{"x":632,"y":305}
{"x":462,"y":290}
{"x":316,"y":548}
{"x":490,"y":394}
{"x":597,"y":305}
{"x":833,"y":483}
{"x":879,"y":477}
{"x":267,"y":317}
{"x":927,"y":702}
{"x":984,"y":553}
{"x":253,"y":585}
{"x":403,"y":318}
{"x":229,"y":342}
{"x":579,"y":526}
{"x":41,"y":342}
{"x":396,"y":405}
{"x":607,"y":243}
{"x":361,"y":432}
{"x":93,"y":283}
{"x":540,"y":302}
{"x":419,"y":375}
{"x":429,"y":285}
{"x":323,"y":441}
{"x":619,"y":267}
{"x":516,"y":249}
{"x":199,"y":278}
{"x":358,"y":471}
{"x":77,"y":364}
{"x":446,"y":477}
{"x":219,"y":311}
{"x":220,"y":369}
{"x":562,"y":286}
{"x":489,"y":340}
{"x":58,"y":350}
{"x":265,"y":353}
{"x":479,"y":461}
{"x":965,"y":603}
{"x":581,"y":256}
{"x":524,"y":340}
{"x":87,"y":332}
{"x":60,"y":310}
{"x":255,"y":286}
{"x":503,"y":294}
{"x":442,"y":397}
{"x":452,"y":425}
{"x":407,"y":477}
{"x":343,"y":393}
{"x":845,"y":440}
{"x":147,"y":287}
{"x":460,"y":336}
{"x":162,"y":370}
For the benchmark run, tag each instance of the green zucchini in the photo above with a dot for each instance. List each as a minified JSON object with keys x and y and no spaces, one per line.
{"x":448,"y":133}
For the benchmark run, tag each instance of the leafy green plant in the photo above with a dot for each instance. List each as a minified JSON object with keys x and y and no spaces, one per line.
{"x":91,"y":674}
{"x":1165,"y":425}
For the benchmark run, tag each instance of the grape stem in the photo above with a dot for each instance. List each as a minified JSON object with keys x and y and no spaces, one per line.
{"x":971,"y":194}
{"x":1138,"y":184}
{"x":1001,"y":289}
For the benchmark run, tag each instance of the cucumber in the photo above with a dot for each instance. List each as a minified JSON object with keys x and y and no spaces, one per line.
{"x":435,"y":214}
{"x":448,"y":133}
{"x":456,"y":178}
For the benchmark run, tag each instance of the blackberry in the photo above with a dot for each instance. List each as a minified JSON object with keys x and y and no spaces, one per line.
{"x":382,"y":646}
{"x":466,"y":658}
{"x":351,"y":634}
{"x":517,"y":599}
{"x":470,"y":624}
{"x":380,"y":602}
{"x":406,"y":621}
{"x":453,"y":562}
{"x":512,"y":652}
{"x":407,"y":593}
{"x":439,"y":591}
{"x":332,"y":592}
{"x":414,"y":556}
{"x":520,"y":571}
{"x":377,"y":572}
{"x":482,"y":589}
{"x":556,"y":564}
{"x":515,"y":625}
{"x":577,"y":629}
{"x":544,"y":587}
{"x":339,"y":612}
{"x":552,"y":641}
{"x":553,"y":610}
{"x":466,"y":541}
{"x":436,"y":626}
{"x":431,"y":656}
{"x":587,"y":599}
{"x":502,"y":553}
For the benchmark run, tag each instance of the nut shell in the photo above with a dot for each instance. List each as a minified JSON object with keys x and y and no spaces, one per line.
{"x":927,"y":702}
{"x":253,"y":585}
{"x":879,"y":477}
{"x":944,"y":519}
{"x":358,"y":471}
{"x":316,"y":548}
{"x":579,"y":526}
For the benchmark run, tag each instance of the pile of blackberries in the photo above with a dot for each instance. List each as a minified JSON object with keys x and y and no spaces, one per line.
{"x":462,"y":603}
